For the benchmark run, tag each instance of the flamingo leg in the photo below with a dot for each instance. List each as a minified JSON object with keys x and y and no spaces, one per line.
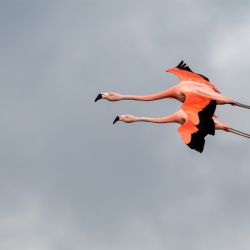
{"x":237,"y":132}
{"x":242,"y":105}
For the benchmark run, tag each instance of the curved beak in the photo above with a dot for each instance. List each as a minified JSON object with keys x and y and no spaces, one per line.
{"x":99,"y":96}
{"x":116,"y":119}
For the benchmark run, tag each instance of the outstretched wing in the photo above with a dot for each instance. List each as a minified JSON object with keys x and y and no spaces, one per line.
{"x":184,"y":73}
{"x":200,"y":110}
{"x":192,"y":136}
{"x":186,"y":130}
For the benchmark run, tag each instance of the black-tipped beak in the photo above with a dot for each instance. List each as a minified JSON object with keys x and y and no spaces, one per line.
{"x":116,"y":119}
{"x":98,"y":97}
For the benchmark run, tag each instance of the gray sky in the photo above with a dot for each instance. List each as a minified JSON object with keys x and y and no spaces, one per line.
{"x":69,"y":179}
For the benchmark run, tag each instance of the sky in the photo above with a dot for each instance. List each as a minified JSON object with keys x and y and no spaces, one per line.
{"x":69,"y":178}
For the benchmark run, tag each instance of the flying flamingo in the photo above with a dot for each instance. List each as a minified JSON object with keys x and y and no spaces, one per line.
{"x":193,"y":136}
{"x":194,"y":90}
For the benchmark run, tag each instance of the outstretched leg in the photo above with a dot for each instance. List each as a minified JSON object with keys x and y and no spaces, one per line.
{"x":227,"y":128}
{"x":241,"y":105}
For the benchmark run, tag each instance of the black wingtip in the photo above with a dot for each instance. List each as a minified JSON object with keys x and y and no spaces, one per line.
{"x":183,"y":66}
{"x":99,"y":96}
{"x":116,"y":119}
{"x":197,"y":142}
{"x":207,"y":125}
{"x":179,"y":64}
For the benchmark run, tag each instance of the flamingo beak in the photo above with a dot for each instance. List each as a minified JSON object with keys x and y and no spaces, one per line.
{"x":99,"y":96}
{"x":116,"y":119}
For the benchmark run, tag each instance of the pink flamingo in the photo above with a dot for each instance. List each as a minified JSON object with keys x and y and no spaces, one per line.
{"x":194,"y":90}
{"x":193,"y":136}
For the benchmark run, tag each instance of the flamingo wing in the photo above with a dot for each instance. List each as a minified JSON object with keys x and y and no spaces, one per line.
{"x":186,"y":130}
{"x":200,"y":110}
{"x":184,"y":73}
{"x":192,"y":136}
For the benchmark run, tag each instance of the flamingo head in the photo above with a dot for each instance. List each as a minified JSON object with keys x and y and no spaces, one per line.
{"x":110,"y":96}
{"x":125,"y":118}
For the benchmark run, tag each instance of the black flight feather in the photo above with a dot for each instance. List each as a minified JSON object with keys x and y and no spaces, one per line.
{"x":206,"y":126}
{"x":197,"y":142}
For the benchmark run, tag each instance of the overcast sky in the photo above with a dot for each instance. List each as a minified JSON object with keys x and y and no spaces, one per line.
{"x":69,"y":179}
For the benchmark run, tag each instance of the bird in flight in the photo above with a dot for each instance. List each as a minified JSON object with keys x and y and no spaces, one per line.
{"x":199,"y":97}
{"x":193,"y":136}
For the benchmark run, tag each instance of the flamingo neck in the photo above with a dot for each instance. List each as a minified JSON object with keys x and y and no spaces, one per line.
{"x":174,"y":118}
{"x":169,"y":93}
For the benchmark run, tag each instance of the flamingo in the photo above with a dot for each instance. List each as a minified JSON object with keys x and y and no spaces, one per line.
{"x":194,"y":90}
{"x":193,"y":136}
{"x":196,"y":116}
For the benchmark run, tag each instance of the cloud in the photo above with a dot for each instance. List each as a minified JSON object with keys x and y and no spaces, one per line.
{"x":69,"y":178}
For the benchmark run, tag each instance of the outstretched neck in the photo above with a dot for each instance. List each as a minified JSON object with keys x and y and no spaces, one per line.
{"x":174,"y":118}
{"x":169,"y":93}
